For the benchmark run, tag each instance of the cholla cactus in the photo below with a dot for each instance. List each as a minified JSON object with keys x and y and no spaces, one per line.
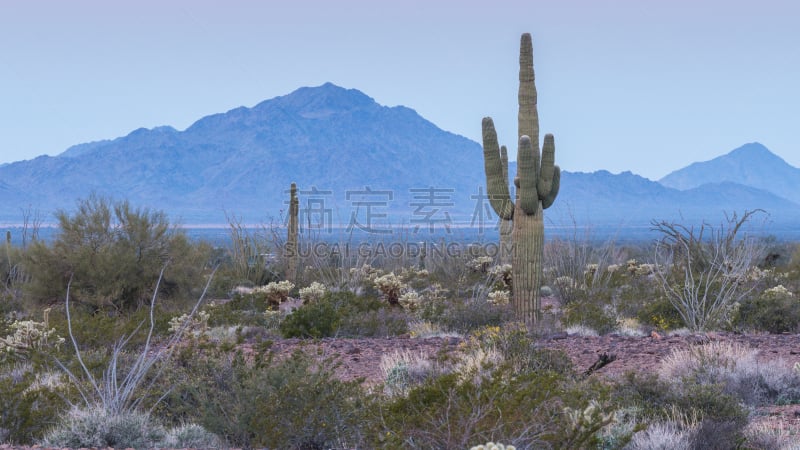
{"x":313,"y":292}
{"x":480,"y":264}
{"x":410,"y":301}
{"x":365,"y":272}
{"x":197,"y":326}
{"x":499,"y":297}
{"x":276,"y":292}
{"x":502,"y":273}
{"x":777,"y":292}
{"x":28,"y":336}
{"x":493,"y":446}
{"x":585,"y":424}
{"x":390,"y":286}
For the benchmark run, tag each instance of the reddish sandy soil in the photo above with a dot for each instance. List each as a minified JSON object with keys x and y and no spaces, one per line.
{"x":360,"y":358}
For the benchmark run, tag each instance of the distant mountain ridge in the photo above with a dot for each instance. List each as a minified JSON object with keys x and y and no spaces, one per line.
{"x":366,"y":162}
{"x":751,"y":165}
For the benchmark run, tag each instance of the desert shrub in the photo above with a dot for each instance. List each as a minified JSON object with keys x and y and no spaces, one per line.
{"x":30,"y":404}
{"x":95,"y":428}
{"x":345,"y":314}
{"x":528,"y":410}
{"x":404,"y":369}
{"x":113,"y":253}
{"x":100,"y":329}
{"x":465,"y":316}
{"x":590,"y":314}
{"x":735,"y":370}
{"x":661,"y":314}
{"x":292,"y":402}
{"x":715,"y":435}
{"x":519,"y":349}
{"x":661,"y":436}
{"x":191,"y":436}
{"x":776,"y":310}
{"x":376,"y":323}
{"x":312,"y":320}
{"x":704,"y":271}
{"x":242,"y":309}
{"x":659,"y":400}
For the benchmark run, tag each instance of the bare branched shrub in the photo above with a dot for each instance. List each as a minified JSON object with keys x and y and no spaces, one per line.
{"x":704,"y":271}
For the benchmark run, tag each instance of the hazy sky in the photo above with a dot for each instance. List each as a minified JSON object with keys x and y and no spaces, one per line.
{"x":646,"y":86}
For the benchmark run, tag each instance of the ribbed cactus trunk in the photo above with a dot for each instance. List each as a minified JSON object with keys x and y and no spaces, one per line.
{"x":526,"y":275}
{"x":537,"y":184}
{"x":291,"y":250}
{"x":506,"y":253}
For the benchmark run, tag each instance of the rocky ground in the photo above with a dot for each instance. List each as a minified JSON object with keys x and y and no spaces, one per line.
{"x":360,"y":358}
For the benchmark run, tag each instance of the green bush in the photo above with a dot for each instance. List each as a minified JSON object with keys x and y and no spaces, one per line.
{"x":527,"y":410}
{"x":659,"y":400}
{"x":27,"y":411}
{"x":313,"y":320}
{"x":290,"y":402}
{"x":661,"y":314}
{"x":774,"y":311}
{"x":243,"y":309}
{"x":589,"y":314}
{"x":113,"y":254}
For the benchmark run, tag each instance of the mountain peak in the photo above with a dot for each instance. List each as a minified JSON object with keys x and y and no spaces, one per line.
{"x":752,"y":164}
{"x":322,"y":100}
{"x":753,"y":152}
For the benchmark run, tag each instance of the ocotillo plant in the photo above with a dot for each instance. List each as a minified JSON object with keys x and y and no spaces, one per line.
{"x":537,"y":184}
{"x":291,"y":238}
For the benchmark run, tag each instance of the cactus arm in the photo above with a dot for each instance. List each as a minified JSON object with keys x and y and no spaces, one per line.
{"x":504,"y":164}
{"x":527,"y":176}
{"x":496,"y":185}
{"x":548,"y":199}
{"x":547,"y":169}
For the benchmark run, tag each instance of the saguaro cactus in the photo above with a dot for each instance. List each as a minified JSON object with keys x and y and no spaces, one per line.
{"x":537,"y":184}
{"x":291,"y":250}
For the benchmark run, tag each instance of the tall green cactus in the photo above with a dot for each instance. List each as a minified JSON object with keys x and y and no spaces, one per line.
{"x":537,"y":184}
{"x":291,"y":238}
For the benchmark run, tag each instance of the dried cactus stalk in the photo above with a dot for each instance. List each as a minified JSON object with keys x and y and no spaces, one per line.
{"x":291,"y":249}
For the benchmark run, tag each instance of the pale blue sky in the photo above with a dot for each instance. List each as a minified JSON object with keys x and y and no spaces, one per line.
{"x":646,"y":86}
